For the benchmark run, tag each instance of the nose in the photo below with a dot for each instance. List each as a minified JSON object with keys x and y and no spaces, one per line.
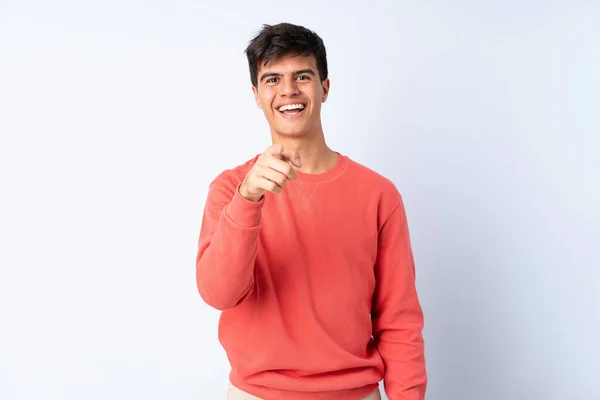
{"x":289,"y":87}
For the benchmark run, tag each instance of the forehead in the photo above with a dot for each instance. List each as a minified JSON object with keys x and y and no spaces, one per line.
{"x":289,"y":64}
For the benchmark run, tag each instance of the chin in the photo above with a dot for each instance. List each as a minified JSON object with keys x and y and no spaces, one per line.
{"x":291,"y":132}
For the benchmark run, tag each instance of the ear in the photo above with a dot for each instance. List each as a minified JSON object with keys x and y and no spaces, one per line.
{"x":325,"y":84}
{"x":256,"y":99}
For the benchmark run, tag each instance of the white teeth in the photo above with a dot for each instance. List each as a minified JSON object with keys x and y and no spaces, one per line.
{"x":292,"y":107}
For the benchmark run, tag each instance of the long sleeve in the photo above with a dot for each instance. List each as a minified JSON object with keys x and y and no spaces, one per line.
{"x":397,"y":315}
{"x":227,"y":245}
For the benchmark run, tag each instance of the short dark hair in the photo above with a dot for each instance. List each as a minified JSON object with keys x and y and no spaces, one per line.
{"x":285,"y":39}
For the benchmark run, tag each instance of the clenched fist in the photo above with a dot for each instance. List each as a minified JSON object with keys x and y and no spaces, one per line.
{"x":270,"y":173}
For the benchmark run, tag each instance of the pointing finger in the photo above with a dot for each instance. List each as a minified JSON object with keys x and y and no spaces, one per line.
{"x":294,"y":158}
{"x":275,"y":150}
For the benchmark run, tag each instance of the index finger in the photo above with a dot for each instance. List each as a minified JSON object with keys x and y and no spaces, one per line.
{"x":293,"y":157}
{"x":286,"y":166}
{"x":282,"y":166}
{"x":275,"y":150}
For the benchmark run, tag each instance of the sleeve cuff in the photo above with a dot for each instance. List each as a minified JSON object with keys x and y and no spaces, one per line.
{"x":244,"y":212}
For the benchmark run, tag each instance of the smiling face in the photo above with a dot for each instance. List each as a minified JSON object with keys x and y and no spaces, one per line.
{"x":290,"y":93}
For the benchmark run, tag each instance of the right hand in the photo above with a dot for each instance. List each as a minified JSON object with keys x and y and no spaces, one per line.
{"x":270,"y":173}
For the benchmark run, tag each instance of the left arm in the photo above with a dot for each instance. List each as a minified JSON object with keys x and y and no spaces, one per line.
{"x":397,"y":315}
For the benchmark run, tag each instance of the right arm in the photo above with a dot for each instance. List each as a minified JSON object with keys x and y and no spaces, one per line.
{"x":230,"y":230}
{"x":227,"y":246}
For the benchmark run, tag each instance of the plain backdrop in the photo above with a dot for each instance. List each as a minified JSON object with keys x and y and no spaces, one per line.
{"x":116,"y":115}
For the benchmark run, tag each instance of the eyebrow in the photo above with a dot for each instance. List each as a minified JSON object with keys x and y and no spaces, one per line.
{"x":277,"y":74}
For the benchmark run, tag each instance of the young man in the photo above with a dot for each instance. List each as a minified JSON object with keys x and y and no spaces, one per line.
{"x":307,"y":252}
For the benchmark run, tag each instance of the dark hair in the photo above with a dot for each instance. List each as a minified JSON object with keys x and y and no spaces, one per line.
{"x":275,"y":41}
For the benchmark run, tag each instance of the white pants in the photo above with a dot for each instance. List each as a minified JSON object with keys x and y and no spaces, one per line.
{"x":233,"y":393}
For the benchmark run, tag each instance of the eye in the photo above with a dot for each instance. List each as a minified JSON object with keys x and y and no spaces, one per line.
{"x":303,"y":78}
{"x":272,"y":80}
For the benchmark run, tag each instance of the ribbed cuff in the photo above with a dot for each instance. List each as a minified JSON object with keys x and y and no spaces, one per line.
{"x":244,"y":212}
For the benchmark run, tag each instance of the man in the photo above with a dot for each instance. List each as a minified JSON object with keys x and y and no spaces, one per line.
{"x":307,"y":252}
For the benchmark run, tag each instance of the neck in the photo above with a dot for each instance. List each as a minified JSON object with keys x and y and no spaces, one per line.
{"x":316,"y":156}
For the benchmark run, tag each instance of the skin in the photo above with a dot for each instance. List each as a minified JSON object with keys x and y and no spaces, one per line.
{"x":298,"y":140}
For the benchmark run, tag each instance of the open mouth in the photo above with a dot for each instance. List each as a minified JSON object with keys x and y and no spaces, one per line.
{"x":292,"y":110}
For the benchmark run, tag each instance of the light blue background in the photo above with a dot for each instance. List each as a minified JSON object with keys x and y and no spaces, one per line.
{"x":115,"y":116}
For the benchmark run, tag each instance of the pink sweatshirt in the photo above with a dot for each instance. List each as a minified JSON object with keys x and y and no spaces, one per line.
{"x":316,"y":284}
